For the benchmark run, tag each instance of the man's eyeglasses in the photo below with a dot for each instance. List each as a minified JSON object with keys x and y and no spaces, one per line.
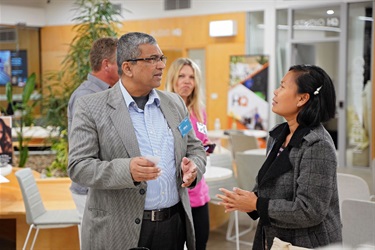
{"x":153,"y":59}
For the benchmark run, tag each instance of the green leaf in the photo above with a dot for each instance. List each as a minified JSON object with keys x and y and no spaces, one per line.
{"x":9,"y":92}
{"x":24,"y":154}
{"x":29,"y":88}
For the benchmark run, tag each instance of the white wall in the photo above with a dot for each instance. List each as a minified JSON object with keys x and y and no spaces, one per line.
{"x":12,"y":15}
{"x":60,"y":12}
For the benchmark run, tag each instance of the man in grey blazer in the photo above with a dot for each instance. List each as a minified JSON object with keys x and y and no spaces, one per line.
{"x":133,"y":146}
{"x":104,"y":74}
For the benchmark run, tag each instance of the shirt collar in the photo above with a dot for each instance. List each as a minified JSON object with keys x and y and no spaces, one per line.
{"x":281,"y":131}
{"x":101,"y":84}
{"x":152,"y":98}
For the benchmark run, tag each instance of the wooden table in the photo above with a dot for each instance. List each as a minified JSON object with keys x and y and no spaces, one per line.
{"x":55,"y":195}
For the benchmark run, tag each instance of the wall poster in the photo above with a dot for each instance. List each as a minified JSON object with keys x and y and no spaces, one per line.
{"x":247,"y":97}
{"x":6,"y":146}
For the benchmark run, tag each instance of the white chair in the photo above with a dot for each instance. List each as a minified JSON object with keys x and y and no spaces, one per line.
{"x":225,"y":161}
{"x":358,"y":219}
{"x":36,"y":215}
{"x":242,"y":142}
{"x":248,"y":166}
{"x":352,"y":187}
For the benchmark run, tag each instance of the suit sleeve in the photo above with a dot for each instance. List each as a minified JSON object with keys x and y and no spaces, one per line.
{"x":85,"y":166}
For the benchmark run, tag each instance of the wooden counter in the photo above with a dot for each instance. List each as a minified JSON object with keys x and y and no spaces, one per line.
{"x":55,"y":195}
{"x":36,"y":136}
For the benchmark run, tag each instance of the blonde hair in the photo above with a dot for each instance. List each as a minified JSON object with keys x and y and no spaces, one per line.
{"x":194,"y":103}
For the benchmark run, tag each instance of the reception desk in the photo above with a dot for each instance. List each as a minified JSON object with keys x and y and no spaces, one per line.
{"x":55,"y":195}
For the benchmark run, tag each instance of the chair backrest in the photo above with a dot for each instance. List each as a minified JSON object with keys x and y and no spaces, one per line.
{"x":242,"y":142}
{"x":358,"y":219}
{"x":248,"y":166}
{"x":225,"y":161}
{"x":352,"y":187}
{"x":30,"y":194}
{"x":221,"y":160}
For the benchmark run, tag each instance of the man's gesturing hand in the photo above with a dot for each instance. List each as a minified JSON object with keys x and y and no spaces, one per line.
{"x":142,"y":169}
{"x":189,"y":172}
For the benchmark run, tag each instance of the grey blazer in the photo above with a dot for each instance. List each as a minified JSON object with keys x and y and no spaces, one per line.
{"x":90,"y":86}
{"x":102,"y":143}
{"x":297,"y":190}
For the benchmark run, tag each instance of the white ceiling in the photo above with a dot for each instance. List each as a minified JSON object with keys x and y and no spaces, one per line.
{"x":25,"y":3}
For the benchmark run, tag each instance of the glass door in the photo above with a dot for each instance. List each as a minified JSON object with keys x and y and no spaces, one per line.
{"x":358,"y":87}
{"x":338,"y":39}
{"x":315,"y":39}
{"x":325,"y":55}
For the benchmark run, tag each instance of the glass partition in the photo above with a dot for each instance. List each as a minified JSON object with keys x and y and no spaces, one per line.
{"x":358,"y":87}
{"x":316,"y":23}
{"x":255,"y":45}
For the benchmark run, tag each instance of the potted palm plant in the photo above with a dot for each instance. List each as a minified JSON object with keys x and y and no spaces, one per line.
{"x":95,"y":19}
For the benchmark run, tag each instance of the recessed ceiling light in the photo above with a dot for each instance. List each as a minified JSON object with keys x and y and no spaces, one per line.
{"x":330,"y":12}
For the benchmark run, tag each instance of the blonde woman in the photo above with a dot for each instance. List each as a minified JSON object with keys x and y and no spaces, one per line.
{"x":184,"y":78}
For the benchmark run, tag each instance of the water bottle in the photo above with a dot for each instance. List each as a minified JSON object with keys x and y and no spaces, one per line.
{"x":217,"y":124}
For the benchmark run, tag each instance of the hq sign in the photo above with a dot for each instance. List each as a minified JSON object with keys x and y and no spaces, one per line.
{"x":323,"y":22}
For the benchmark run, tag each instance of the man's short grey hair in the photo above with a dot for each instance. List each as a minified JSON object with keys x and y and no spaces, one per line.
{"x":128,"y":46}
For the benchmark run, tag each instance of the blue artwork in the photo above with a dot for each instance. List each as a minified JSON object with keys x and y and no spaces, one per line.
{"x":5,"y":67}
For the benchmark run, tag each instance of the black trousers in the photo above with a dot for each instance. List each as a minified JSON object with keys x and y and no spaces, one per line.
{"x":201,"y":226}
{"x":169,"y":234}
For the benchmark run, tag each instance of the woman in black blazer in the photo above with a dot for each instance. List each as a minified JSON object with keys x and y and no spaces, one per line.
{"x":295,"y":196}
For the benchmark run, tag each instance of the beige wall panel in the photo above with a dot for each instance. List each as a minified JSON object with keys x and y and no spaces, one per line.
{"x":194,"y":33}
{"x":194,"y":30}
{"x":55,"y":42}
{"x":29,"y":40}
{"x":218,"y":80}
{"x":171,"y":55}
{"x":56,"y":37}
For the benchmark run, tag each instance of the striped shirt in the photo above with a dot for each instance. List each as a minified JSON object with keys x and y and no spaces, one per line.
{"x":155,"y":138}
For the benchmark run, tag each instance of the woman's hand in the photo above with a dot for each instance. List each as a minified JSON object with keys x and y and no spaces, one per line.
{"x":238,"y":199}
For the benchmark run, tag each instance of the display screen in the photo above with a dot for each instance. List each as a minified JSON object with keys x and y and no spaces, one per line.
{"x":13,"y":67}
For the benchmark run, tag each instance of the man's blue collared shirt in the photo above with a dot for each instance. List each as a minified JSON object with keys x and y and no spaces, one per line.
{"x":155,"y":138}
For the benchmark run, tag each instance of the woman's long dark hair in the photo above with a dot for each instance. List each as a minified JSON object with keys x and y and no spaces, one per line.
{"x":5,"y":140}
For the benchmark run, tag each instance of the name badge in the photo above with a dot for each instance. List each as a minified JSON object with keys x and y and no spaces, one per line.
{"x":202,"y":128}
{"x":185,"y":127}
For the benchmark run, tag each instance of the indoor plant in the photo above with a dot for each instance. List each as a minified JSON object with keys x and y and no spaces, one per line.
{"x":25,"y":118}
{"x":95,"y":19}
